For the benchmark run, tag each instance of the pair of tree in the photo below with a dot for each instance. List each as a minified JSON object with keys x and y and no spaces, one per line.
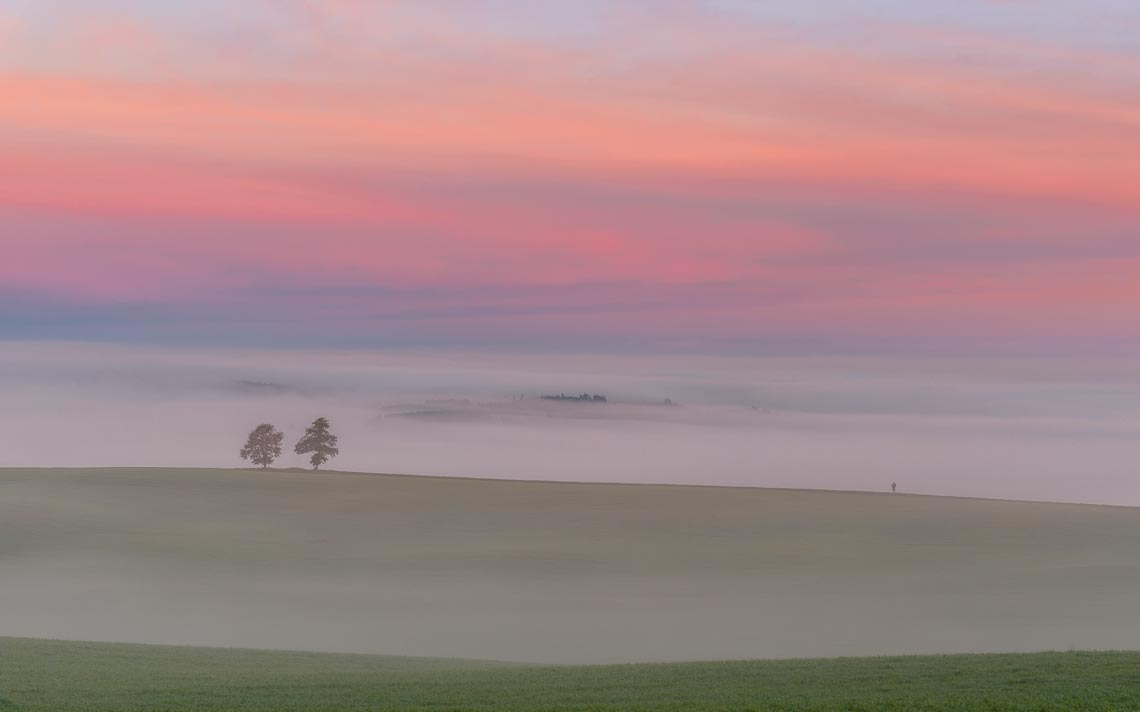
{"x":264,"y":444}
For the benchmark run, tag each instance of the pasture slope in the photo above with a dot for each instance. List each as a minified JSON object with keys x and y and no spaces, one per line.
{"x":551,"y":572}
{"x":43,"y":676}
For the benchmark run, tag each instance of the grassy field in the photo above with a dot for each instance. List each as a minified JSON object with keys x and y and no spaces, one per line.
{"x":553,"y":573}
{"x":60,"y":676}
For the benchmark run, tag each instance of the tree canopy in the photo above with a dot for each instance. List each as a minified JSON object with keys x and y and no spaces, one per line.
{"x":318,"y":441}
{"x":263,"y":445}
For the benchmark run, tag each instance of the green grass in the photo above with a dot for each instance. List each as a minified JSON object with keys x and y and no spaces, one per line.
{"x":95,"y":677}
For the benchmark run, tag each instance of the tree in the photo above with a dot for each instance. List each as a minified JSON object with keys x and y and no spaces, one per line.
{"x":263,"y":445}
{"x":319,"y":441}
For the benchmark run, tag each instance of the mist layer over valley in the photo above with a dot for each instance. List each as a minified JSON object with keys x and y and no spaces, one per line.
{"x":1037,"y":429}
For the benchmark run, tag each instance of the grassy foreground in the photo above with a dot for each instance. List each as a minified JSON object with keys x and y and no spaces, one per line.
{"x":57,"y":675}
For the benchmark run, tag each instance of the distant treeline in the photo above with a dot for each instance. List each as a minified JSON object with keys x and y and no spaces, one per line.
{"x":585,"y":397}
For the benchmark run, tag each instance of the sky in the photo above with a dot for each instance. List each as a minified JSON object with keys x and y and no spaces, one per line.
{"x":723,"y":177}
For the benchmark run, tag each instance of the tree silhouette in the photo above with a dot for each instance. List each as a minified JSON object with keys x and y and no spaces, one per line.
{"x":263,"y":445}
{"x":319,"y":441}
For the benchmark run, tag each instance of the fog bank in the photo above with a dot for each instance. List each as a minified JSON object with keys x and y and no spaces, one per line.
{"x":1062,"y":430}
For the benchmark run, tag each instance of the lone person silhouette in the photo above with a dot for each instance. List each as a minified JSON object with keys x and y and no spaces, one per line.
{"x":894,"y":486}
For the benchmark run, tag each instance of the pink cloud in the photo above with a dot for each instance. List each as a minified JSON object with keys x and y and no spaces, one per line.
{"x":861,"y":188}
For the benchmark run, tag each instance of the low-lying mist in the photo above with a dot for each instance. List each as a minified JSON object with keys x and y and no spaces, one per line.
{"x":1042,"y":429}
